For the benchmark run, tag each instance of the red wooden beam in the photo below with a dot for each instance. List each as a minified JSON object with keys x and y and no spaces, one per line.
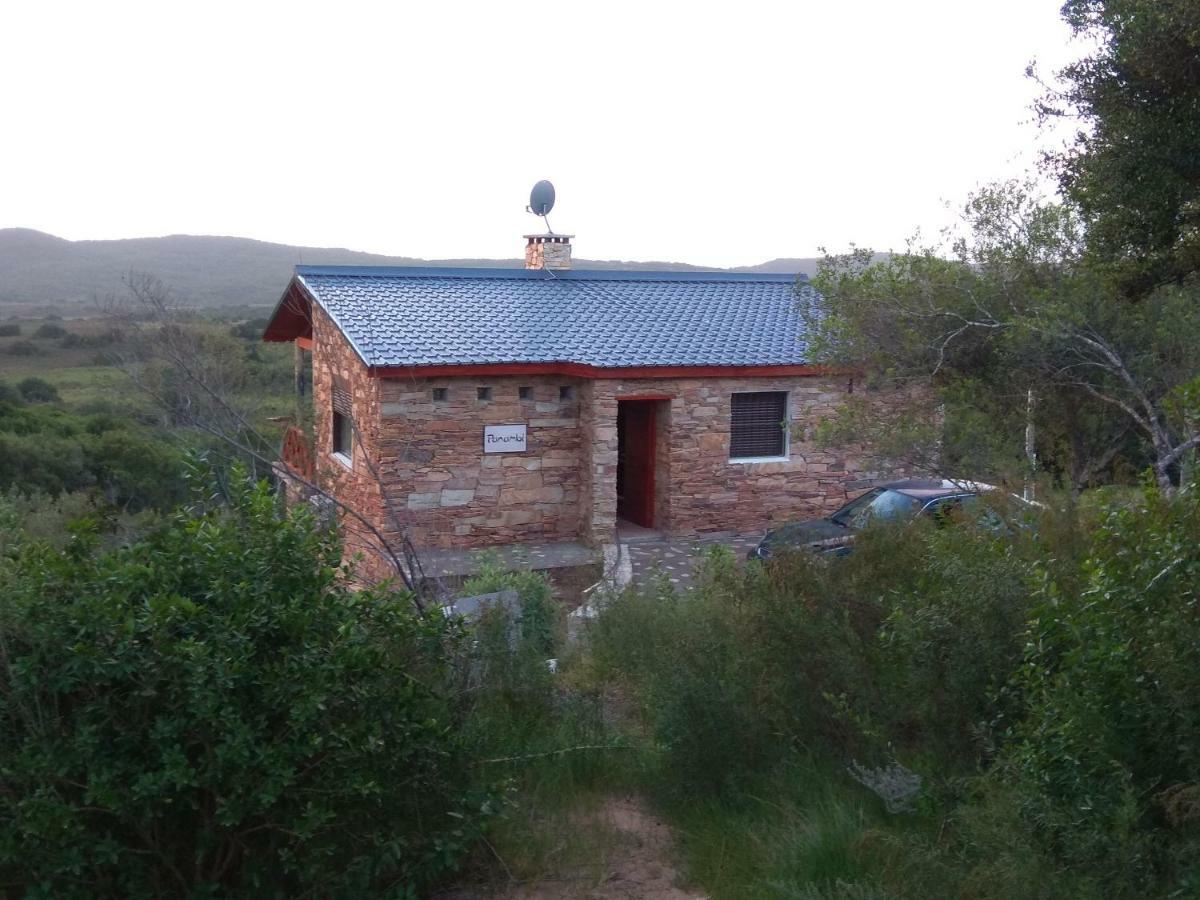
{"x":581,"y":370}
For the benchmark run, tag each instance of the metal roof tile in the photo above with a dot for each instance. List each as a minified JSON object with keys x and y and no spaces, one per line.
{"x":420,"y":316}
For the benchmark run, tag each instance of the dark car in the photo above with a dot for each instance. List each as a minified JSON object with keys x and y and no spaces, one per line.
{"x":894,"y":502}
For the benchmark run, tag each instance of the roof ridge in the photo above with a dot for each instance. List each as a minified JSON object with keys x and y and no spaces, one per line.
{"x":482,"y":272}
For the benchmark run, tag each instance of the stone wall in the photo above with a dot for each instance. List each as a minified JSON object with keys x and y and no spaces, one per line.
{"x":354,"y":483}
{"x":455,"y":495}
{"x":426,"y":450}
{"x":702,"y":490}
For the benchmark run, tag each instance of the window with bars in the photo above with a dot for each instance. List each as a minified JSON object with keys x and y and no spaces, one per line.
{"x":758,"y":425}
{"x":343,"y":428}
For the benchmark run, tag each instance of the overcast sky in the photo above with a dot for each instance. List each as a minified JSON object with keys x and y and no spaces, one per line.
{"x":713,"y":133}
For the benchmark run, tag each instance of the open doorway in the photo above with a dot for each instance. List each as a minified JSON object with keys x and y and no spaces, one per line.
{"x":636,"y":452}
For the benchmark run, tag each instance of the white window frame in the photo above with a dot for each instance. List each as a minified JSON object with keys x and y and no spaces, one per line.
{"x":787,"y":432}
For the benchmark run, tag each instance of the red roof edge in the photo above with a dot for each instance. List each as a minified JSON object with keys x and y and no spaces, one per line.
{"x":581,"y":370}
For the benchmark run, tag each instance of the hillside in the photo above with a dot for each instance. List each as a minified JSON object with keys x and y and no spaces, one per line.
{"x":41,"y":269}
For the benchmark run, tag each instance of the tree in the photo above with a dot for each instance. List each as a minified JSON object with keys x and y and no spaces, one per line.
{"x":1011,"y":304}
{"x":1133,"y":167}
{"x":196,"y":375}
{"x":37,"y":390}
{"x":213,"y":711}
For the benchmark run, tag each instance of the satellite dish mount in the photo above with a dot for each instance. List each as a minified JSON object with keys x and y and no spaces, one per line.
{"x":541,"y":201}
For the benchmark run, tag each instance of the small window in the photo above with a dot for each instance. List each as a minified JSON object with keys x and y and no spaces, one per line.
{"x":343,"y":436}
{"x":758,"y":425}
{"x":439,"y":395}
{"x":483,"y":393}
{"x":343,"y":426}
{"x":525,"y":392}
{"x":566,"y":392}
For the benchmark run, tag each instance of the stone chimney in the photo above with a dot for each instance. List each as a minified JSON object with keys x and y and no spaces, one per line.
{"x":548,"y":251}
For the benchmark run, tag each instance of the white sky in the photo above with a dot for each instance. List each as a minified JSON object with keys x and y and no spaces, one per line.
{"x":722,"y":133}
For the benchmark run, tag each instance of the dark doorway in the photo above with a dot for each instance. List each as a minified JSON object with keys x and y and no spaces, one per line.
{"x":635,"y":461}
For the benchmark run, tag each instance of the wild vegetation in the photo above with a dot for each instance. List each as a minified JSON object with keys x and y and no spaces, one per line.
{"x":947,"y":712}
{"x":193,"y":702}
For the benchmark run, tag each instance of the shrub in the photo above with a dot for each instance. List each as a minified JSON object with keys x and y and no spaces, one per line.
{"x":540,"y":620}
{"x":23,"y":348}
{"x":50,"y":330}
{"x":37,"y":390}
{"x":250,"y":330}
{"x":743,"y":670}
{"x":72,"y":340}
{"x":1112,"y":677}
{"x":956,"y":605}
{"x":10,"y":329}
{"x":211,"y":711}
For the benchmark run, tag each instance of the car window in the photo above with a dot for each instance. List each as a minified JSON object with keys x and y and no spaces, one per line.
{"x":953,"y":509}
{"x":966,"y":509}
{"x":847,"y":513}
{"x":885,"y":506}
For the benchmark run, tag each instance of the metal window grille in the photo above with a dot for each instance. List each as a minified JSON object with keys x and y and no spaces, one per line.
{"x":757,"y":425}
{"x":341,"y":398}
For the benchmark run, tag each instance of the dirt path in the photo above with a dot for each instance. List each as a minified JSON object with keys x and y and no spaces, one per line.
{"x":638,"y":864}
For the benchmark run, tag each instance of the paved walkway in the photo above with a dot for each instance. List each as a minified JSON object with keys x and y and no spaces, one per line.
{"x":565,"y":555}
{"x":677,"y":558}
{"x":649,"y":554}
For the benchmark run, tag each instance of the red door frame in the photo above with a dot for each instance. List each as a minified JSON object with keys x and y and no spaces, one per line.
{"x":640,"y":437}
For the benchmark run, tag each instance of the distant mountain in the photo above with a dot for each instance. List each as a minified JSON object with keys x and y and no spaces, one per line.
{"x":38,"y":268}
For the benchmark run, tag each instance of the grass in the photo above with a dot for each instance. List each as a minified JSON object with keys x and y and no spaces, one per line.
{"x":796,"y":831}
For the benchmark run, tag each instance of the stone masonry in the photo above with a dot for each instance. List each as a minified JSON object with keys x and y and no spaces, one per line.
{"x":418,"y":461}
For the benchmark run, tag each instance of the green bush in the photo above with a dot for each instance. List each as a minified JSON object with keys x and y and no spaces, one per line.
{"x":10,"y":329}
{"x":956,"y":603}
{"x":516,"y":707}
{"x":210,"y":711}
{"x":1044,"y":680}
{"x":23,"y":348}
{"x":742,"y":671}
{"x":1108,"y":756}
{"x":37,"y":390}
{"x":71,"y":340}
{"x":48,"y":449}
{"x":540,"y":616}
{"x":50,"y":330}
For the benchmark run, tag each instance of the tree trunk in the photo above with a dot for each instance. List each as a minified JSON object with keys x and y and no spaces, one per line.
{"x":1030,"y":446}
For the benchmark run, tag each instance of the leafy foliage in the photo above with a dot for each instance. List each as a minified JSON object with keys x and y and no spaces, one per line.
{"x":1039,"y":680}
{"x":24,"y":348}
{"x":211,"y":711}
{"x":50,"y":330}
{"x":1013,"y":324}
{"x":1132,"y":167}
{"x":48,"y":449}
{"x":37,"y":390}
{"x":1112,"y":678}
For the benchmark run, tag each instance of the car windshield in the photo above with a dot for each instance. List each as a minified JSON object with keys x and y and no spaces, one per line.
{"x":880,"y":504}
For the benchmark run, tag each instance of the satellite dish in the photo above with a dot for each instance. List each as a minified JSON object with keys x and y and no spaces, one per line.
{"x":541,"y":199}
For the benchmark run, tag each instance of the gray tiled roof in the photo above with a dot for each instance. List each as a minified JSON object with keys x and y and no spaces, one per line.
{"x":424,"y":316}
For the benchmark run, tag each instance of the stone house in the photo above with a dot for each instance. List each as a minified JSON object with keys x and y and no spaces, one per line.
{"x":485,"y":407}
